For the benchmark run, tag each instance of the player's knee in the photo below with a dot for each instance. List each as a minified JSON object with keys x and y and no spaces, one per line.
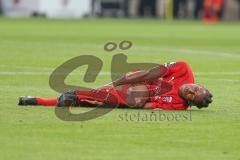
{"x":136,"y":103}
{"x":137,"y":96}
{"x":67,"y":99}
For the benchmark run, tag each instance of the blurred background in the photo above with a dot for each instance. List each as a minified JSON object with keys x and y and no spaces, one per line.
{"x":32,"y":48}
{"x":207,"y":10}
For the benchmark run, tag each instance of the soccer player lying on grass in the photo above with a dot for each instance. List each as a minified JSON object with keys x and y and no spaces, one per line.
{"x":168,"y":87}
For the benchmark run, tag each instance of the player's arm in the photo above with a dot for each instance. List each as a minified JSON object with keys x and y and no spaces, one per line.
{"x":156,"y":105}
{"x":164,"y":106}
{"x":141,"y":76}
{"x":148,"y":105}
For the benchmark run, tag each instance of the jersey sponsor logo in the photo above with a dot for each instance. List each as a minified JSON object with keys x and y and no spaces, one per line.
{"x":169,"y":64}
{"x":167,"y":99}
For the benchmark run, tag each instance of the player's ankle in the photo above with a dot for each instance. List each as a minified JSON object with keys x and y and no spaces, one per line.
{"x":27,"y":100}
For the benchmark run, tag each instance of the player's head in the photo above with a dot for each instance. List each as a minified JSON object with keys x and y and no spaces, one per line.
{"x":195,"y":95}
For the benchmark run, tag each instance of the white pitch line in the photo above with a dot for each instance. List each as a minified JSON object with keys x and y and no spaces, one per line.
{"x":26,"y":67}
{"x":222,"y":79}
{"x":183,"y":51}
{"x":45,"y":73}
{"x":48,"y":71}
{"x":109,"y":73}
{"x":24,"y":73}
{"x":217,"y":73}
{"x":189,"y":51}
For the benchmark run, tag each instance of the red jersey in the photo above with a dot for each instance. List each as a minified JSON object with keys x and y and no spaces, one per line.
{"x":161,"y":95}
{"x":178,"y":73}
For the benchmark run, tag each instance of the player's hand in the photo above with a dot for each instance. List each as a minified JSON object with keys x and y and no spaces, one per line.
{"x":97,"y":103}
{"x":106,"y":87}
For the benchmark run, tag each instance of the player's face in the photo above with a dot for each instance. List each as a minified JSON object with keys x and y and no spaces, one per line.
{"x":193,"y":93}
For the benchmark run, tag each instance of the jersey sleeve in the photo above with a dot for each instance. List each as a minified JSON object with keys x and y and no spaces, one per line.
{"x":176,"y":68}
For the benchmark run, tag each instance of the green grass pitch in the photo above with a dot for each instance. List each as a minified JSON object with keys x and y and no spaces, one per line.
{"x":30,"y":49}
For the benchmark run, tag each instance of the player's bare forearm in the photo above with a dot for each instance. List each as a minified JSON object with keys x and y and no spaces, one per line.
{"x":141,"y":76}
{"x":147,"y":106}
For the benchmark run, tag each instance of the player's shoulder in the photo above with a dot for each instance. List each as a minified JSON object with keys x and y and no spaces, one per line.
{"x":183,"y":64}
{"x":177,"y":63}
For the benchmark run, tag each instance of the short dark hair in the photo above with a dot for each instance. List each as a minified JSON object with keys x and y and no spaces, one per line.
{"x":207,"y":99}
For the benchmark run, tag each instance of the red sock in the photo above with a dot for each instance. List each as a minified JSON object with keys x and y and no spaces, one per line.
{"x":47,"y":101}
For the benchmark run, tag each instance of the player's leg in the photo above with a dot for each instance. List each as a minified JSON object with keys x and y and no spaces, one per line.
{"x":126,"y":95}
{"x":71,"y":98}
{"x":30,"y":100}
{"x":134,"y":96}
{"x":68,"y":98}
{"x":137,"y":96}
{"x":107,"y":97}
